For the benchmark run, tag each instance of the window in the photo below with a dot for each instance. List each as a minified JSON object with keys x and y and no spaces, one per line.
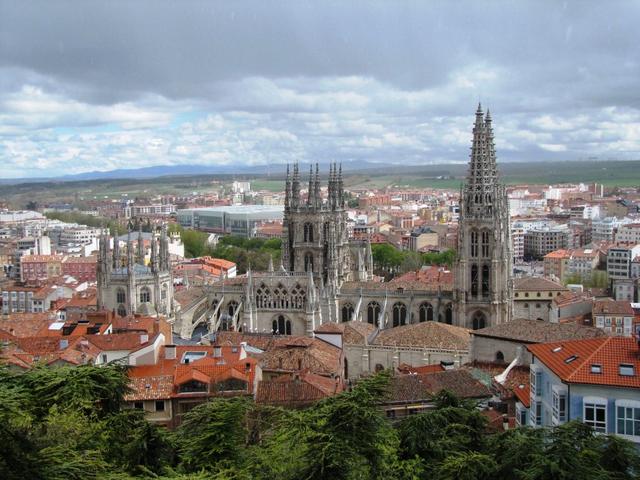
{"x":308,"y":232}
{"x":499,"y":357}
{"x":373,"y":313}
{"x":595,"y":413}
{"x":138,"y":405}
{"x":145,"y":295}
{"x":536,"y":382}
{"x":559,"y":399}
{"x":159,"y":405}
{"x":193,"y":386}
{"x":347,"y":312}
{"x":521,"y":415}
{"x":479,"y":321}
{"x":426,"y":312}
{"x":399,"y":314}
{"x":485,"y":243}
{"x":596,"y":368}
{"x":121,"y":296}
{"x":281,"y":326}
{"x":474,"y":243}
{"x":308,"y":262}
{"x":626,"y":369}
{"x":570,"y":359}
{"x":628,"y":418}
{"x":536,"y":413}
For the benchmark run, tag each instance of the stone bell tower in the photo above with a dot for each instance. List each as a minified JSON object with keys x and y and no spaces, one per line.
{"x":484,"y":271}
{"x":315,"y":237}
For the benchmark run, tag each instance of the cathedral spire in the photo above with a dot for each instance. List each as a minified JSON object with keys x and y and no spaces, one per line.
{"x":312,"y":190}
{"x":140,"y":245}
{"x":287,"y":190}
{"x":316,"y":188}
{"x":295,"y":187}
{"x":340,"y":188}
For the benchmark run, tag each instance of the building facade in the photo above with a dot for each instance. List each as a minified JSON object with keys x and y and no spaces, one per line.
{"x":326,"y":277}
{"x":126,"y":285}
{"x":484,"y":287}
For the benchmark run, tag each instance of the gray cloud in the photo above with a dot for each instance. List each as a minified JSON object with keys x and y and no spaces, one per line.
{"x":387,"y":81}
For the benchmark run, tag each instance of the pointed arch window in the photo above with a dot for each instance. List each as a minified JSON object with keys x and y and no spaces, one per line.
{"x":121,"y":295}
{"x":145,"y":295}
{"x":347,"y":312}
{"x":426,"y":312}
{"x":308,"y":262}
{"x":486,"y":275}
{"x":448,"y":314}
{"x":122,"y":311}
{"x":298,"y":297}
{"x":281,"y":326}
{"x":479,"y":321}
{"x":474,"y":243}
{"x":399,"y":314}
{"x":232,"y":307}
{"x":485,"y":243}
{"x":308,"y":232}
{"x":263,"y":296}
{"x":474,"y":280}
{"x":373,"y":313}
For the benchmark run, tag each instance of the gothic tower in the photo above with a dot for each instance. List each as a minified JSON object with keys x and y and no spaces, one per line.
{"x":483,"y":277}
{"x":315,"y":237}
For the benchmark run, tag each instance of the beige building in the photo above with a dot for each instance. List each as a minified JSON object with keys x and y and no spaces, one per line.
{"x":532,"y":297}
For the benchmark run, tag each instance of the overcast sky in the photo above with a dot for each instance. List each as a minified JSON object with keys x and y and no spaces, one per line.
{"x":91,"y":85}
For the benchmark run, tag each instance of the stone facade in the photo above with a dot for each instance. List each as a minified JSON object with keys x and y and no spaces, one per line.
{"x":483,"y":278}
{"x":126,"y":285}
{"x":324,"y":277}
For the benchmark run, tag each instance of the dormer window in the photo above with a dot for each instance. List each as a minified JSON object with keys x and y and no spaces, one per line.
{"x":596,"y":368}
{"x":627,"y":370}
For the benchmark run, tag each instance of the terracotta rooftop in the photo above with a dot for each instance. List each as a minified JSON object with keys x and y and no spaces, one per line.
{"x":432,"y":276}
{"x":536,"y":283}
{"x":425,"y":335}
{"x":537,"y":331}
{"x":294,"y":354}
{"x":594,"y":361}
{"x":416,"y":387}
{"x":188,"y":296}
{"x":522,"y":393}
{"x":353,"y":332}
{"x":25,"y":324}
{"x":301,"y":391}
{"x":603,"y":307}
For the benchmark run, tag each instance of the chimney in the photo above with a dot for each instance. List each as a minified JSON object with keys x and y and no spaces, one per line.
{"x":144,"y":338}
{"x":170,"y":352}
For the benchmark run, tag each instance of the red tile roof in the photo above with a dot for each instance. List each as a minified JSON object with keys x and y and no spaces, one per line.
{"x":522,"y":394}
{"x":608,"y":352}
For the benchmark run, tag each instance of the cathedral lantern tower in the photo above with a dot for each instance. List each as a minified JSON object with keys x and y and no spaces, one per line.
{"x":483,"y":274}
{"x":315,"y":237}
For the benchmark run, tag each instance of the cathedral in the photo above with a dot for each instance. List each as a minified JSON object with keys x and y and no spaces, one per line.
{"x":127,"y":285}
{"x":325,"y":277}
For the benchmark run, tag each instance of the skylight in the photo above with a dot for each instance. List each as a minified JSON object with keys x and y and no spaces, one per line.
{"x":570,"y":359}
{"x":189,"y":357}
{"x":557,"y":349}
{"x":596,"y":368}
{"x":627,"y":369}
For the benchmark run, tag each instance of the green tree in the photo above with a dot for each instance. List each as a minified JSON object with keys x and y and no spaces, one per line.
{"x":213,"y":435}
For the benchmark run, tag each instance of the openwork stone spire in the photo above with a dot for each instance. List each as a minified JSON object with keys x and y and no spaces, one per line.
{"x":483,"y":173}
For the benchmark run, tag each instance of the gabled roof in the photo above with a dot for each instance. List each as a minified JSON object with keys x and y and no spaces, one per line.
{"x":294,"y":354}
{"x":353,"y":332}
{"x":300,"y":391}
{"x":537,"y":331}
{"x":423,"y":386}
{"x":425,"y":335}
{"x":528,"y":284}
{"x":522,"y":393}
{"x":612,"y":307}
{"x":572,"y":360}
